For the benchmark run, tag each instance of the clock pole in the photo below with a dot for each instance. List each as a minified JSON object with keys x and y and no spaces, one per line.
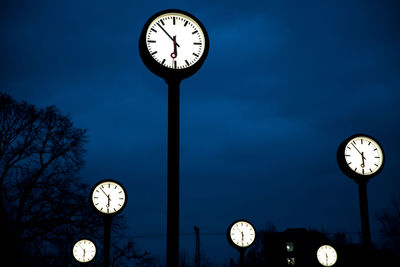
{"x":173,"y":174}
{"x":365,"y":230}
{"x":107,"y":241}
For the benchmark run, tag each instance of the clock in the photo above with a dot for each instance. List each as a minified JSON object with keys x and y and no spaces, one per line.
{"x":326,"y":255}
{"x":108,"y":197}
{"x":173,"y":44}
{"x":241,"y":234}
{"x":84,"y":250}
{"x":360,"y":157}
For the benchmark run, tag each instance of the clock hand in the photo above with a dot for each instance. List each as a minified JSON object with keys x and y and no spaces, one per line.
{"x":363,"y":158}
{"x":103,"y":191}
{"x":167,"y":33}
{"x":357,"y":149}
{"x":108,"y":201}
{"x":174,"y":54}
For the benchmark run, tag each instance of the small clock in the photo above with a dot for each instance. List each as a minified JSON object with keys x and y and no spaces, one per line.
{"x":241,"y":234}
{"x":108,"y":197}
{"x":84,"y":250}
{"x":326,"y":255}
{"x":360,"y":157}
{"x":173,"y":44}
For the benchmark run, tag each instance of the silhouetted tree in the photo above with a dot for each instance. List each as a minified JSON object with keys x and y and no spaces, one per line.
{"x":44,"y":208}
{"x":390,"y":225}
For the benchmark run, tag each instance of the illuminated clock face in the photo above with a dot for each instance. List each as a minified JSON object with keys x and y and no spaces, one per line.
{"x":326,"y":255}
{"x":242,"y":234}
{"x":84,"y":250}
{"x":108,"y":197}
{"x":363,"y":155}
{"x":175,"y":40}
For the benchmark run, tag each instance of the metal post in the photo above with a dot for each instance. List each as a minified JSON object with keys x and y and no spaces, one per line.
{"x":365,"y":231}
{"x":197,"y":258}
{"x":107,"y":241}
{"x":241,"y":261}
{"x":173,"y":175}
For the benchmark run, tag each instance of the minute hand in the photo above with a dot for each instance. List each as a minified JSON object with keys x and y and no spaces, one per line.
{"x":167,"y":34}
{"x":358,"y":150}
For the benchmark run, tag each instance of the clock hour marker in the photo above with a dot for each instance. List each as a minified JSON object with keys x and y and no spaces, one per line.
{"x":151,"y":41}
{"x":155,"y":52}
{"x":175,"y":64}
{"x":162,"y":62}
{"x":187,"y":62}
{"x":162,"y":22}
{"x":195,"y":54}
{"x":154,"y":30}
{"x":196,"y":31}
{"x":186,"y":23}
{"x":173,"y":20}
{"x":197,"y":43}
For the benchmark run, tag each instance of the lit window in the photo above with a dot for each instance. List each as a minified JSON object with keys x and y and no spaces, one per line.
{"x":291,"y":261}
{"x":289,"y":247}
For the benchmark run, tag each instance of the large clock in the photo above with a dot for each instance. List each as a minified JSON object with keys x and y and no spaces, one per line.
{"x":241,"y":234}
{"x":84,"y":250}
{"x":360,"y":157}
{"x":326,"y":255}
{"x":173,"y":44}
{"x":108,"y":197}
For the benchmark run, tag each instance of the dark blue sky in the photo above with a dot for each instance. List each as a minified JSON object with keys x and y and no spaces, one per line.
{"x":284,"y":83}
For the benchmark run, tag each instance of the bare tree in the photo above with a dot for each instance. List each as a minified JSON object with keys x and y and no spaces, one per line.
{"x":44,"y":208}
{"x":390,"y":225}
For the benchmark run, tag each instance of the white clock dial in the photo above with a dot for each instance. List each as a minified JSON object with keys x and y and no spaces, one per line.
{"x":84,"y":250}
{"x":327,"y":255}
{"x":242,"y":234}
{"x":363,"y":155}
{"x":108,"y":197}
{"x":175,"y":40}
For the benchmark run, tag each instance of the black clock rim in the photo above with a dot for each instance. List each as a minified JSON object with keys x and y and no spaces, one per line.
{"x":358,"y":178}
{"x":108,"y":214}
{"x":171,"y":75}
{"x":80,"y":239}
{"x":228,"y":236}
